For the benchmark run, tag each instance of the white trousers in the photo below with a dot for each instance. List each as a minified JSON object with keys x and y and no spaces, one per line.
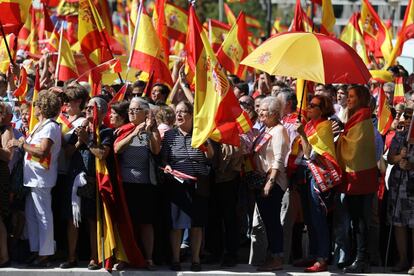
{"x":39,"y":220}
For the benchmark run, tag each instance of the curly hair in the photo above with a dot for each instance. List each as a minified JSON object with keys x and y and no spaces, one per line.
{"x":48,"y":103}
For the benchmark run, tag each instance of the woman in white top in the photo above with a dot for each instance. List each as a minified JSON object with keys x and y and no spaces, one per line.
{"x":271,"y":148}
{"x":41,"y":148}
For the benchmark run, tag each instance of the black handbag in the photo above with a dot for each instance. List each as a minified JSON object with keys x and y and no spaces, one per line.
{"x":89,"y":190}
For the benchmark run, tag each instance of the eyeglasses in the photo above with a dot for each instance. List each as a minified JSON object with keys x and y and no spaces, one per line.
{"x":246,"y":104}
{"x":135,"y":110}
{"x":89,"y":108}
{"x":312,"y":105}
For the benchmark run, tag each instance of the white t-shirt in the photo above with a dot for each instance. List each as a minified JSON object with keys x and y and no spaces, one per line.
{"x":35,"y":174}
{"x":63,"y":162}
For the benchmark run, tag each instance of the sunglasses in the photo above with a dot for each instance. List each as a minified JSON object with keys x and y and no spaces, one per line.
{"x":312,"y":105}
{"x":407,"y":116}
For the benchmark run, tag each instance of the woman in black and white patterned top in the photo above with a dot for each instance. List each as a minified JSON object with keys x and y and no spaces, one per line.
{"x":135,"y":143}
{"x":189,"y":200}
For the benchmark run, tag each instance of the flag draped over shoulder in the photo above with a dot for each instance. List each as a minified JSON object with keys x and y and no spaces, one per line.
{"x":113,"y":221}
{"x":320,"y":136}
{"x":148,"y":54}
{"x":4,"y":56}
{"x":384,"y":113}
{"x":217,"y":113}
{"x":352,"y":35}
{"x":234,"y":48}
{"x":356,"y":154}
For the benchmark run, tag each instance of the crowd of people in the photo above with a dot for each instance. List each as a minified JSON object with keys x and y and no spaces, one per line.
{"x":206,"y":203}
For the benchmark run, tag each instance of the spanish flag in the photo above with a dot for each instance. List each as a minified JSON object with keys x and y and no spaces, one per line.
{"x":44,"y":162}
{"x":120,"y":95}
{"x":217,"y":32}
{"x":91,"y":32}
{"x":352,"y":35}
{"x":21,"y":91}
{"x":148,"y":54}
{"x":320,"y":136}
{"x":13,"y":14}
{"x":231,"y":18}
{"x":301,"y":22}
{"x":234,"y":48}
{"x":114,"y":228}
{"x":356,"y":155}
{"x":65,"y":124}
{"x":406,"y":32}
{"x":373,"y":25}
{"x":33,"y":120}
{"x":161,"y":28}
{"x":176,"y":19}
{"x":217,"y":113}
{"x":4,"y":56}
{"x":384,"y":113}
{"x":399,"y":93}
{"x":253,"y":22}
{"x":66,"y":66}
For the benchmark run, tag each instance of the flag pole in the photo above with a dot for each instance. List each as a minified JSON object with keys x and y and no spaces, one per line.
{"x":59,"y":55}
{"x":5,"y":42}
{"x":301,"y":99}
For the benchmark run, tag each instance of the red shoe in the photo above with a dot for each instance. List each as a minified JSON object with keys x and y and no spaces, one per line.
{"x":317,"y":267}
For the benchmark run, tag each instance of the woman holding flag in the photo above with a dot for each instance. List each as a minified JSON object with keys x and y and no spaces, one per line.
{"x":322,"y":174}
{"x":356,"y":155}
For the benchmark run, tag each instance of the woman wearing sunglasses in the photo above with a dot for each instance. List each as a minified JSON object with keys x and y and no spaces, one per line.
{"x":319,"y":151}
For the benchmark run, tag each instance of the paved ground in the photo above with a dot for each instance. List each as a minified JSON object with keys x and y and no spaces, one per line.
{"x":242,"y":269}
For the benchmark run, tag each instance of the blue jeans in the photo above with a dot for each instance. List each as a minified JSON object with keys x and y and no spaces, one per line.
{"x":269,"y":208}
{"x":319,"y":231}
{"x":341,"y":228}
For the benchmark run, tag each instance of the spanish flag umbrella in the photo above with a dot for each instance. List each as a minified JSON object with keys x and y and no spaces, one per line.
{"x":309,"y":56}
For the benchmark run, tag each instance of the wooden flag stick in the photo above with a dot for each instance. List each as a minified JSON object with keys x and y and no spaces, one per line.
{"x":59,"y":55}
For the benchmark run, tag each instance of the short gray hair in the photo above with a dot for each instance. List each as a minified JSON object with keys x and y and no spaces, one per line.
{"x":274,"y":104}
{"x":101,"y":104}
{"x":144,"y":104}
{"x":390,"y":85}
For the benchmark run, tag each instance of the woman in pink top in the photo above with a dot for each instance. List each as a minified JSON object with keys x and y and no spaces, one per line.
{"x":271,"y":148}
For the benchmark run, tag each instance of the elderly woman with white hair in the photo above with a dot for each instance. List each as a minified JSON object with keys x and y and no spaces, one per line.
{"x":271,"y":149}
{"x":134,"y":145}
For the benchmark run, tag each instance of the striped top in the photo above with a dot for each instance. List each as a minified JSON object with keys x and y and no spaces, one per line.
{"x":177,"y":152}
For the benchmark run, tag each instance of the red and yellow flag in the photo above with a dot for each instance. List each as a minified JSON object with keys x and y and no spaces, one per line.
{"x":399,"y":93}
{"x":21,"y":91}
{"x":120,"y":95}
{"x":356,"y":154}
{"x":372,"y":24}
{"x":91,"y":32}
{"x":4,"y":56}
{"x":217,"y":32}
{"x":320,"y":136}
{"x":406,"y":32}
{"x":65,"y":124}
{"x":352,"y":35}
{"x":384,"y":113}
{"x":176,"y":19}
{"x":13,"y":14}
{"x":217,"y":113}
{"x":113,"y":221}
{"x":301,"y":22}
{"x":231,"y":18}
{"x":147,"y":54}
{"x":44,"y":161}
{"x":234,"y":48}
{"x":66,"y":66}
{"x":161,"y":28}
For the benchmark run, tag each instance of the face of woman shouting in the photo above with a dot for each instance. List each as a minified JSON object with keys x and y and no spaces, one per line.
{"x":183,"y":117}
